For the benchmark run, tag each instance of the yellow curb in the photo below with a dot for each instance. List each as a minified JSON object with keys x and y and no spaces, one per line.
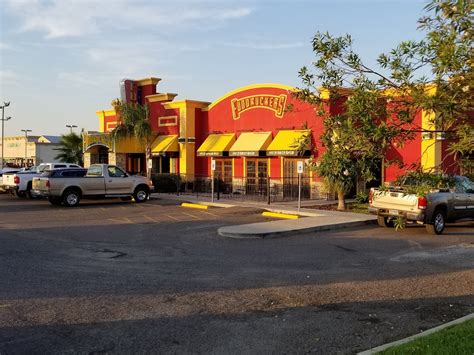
{"x":194,"y":205}
{"x":280,"y":215}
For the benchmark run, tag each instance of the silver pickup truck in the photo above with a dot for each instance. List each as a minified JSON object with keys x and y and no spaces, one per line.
{"x":100,"y":181}
{"x":434,"y":209}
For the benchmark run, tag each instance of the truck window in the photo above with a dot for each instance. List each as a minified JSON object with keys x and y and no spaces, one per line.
{"x":94,"y":171}
{"x":115,"y":172}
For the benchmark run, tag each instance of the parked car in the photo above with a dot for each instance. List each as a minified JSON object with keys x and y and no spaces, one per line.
{"x":20,"y":183}
{"x":100,"y":181}
{"x":437,"y":207}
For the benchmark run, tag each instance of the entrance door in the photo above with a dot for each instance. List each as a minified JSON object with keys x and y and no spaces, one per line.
{"x":223,"y":175}
{"x":257,"y":175}
{"x":136,"y":164}
{"x":290,"y":179}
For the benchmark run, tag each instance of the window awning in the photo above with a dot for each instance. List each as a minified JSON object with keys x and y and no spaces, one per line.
{"x":290,"y":143}
{"x":251,"y":144}
{"x":165,"y":144}
{"x":216,"y":145}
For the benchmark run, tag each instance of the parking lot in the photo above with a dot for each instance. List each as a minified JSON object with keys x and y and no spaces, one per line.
{"x":115,"y":276}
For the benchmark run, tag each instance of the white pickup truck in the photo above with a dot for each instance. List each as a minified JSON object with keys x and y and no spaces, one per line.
{"x":100,"y":181}
{"x":20,"y":183}
{"x":433,"y":209}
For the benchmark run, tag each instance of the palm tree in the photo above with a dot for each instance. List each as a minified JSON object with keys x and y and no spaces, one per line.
{"x":70,"y":150}
{"x":134,"y":122}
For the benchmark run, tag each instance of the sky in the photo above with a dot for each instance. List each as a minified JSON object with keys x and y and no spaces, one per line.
{"x":62,"y":60}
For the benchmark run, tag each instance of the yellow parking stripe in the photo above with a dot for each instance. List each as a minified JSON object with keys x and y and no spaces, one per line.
{"x":280,"y":215}
{"x":194,"y":205}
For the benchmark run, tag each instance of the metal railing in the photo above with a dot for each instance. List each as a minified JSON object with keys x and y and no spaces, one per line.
{"x":268,"y":189}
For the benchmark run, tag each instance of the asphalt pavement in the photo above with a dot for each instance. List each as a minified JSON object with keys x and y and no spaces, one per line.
{"x":120,"y":277}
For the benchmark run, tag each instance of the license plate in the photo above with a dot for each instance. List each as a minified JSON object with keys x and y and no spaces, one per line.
{"x":393,"y":212}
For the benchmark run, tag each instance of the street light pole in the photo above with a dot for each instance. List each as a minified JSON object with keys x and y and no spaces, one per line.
{"x":26,"y":144}
{"x":71,"y":126}
{"x":5,"y":104}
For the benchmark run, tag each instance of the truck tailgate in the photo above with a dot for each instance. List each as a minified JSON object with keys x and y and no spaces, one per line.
{"x":394,"y":200}
{"x":8,"y":179}
{"x":40,"y":183}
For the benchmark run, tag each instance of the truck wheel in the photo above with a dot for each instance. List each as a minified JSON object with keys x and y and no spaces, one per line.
{"x":141,"y":194}
{"x":384,"y":221}
{"x":55,"y":201}
{"x":20,"y":194}
{"x":71,"y":197}
{"x":438,"y":223}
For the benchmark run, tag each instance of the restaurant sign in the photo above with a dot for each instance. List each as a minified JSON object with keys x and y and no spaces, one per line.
{"x":276,"y":103}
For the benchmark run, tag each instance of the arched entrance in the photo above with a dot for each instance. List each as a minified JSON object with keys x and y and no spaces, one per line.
{"x":97,"y":153}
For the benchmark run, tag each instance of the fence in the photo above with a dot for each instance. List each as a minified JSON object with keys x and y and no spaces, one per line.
{"x":268,"y":189}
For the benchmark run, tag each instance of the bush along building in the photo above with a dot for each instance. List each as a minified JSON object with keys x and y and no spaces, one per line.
{"x":250,"y":139}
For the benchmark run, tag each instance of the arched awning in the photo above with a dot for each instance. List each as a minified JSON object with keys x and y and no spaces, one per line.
{"x":96,"y":144}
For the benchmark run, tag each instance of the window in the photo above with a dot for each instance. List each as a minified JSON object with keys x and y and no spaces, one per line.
{"x":57,"y":166}
{"x":115,"y":172}
{"x":94,"y":171}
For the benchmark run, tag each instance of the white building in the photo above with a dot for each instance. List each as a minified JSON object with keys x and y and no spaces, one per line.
{"x":38,"y":149}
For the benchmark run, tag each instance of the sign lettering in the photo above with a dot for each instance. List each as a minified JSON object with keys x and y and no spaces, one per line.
{"x":270,"y":102}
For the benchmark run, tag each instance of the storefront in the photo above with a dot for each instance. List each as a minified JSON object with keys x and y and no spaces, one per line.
{"x":255,"y":135}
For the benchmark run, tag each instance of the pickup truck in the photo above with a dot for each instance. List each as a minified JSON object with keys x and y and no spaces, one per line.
{"x":434,"y":209}
{"x":100,"y":181}
{"x":20,"y":183}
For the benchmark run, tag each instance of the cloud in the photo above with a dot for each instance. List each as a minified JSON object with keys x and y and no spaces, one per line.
{"x":264,"y":45}
{"x":78,"y":18}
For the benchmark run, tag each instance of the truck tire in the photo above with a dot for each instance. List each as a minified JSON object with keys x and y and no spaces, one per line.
{"x":71,"y":197}
{"x":141,"y":193}
{"x":55,"y":201}
{"x":19,"y":194}
{"x":384,"y":221}
{"x":437,"y":223}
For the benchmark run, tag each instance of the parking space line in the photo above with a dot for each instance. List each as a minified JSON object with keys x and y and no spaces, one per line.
{"x":191,"y":215}
{"x":172,"y":217}
{"x":210,"y":213}
{"x":150,"y":218}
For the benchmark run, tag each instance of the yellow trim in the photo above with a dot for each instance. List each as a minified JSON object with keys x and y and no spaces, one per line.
{"x":283,"y":143}
{"x":175,"y":118}
{"x":249,"y":87}
{"x":430,"y":148}
{"x":163,"y":144}
{"x":161,"y":97}
{"x":107,"y":126}
{"x":129,"y":145}
{"x":215,"y":144}
{"x":107,"y":113}
{"x":250,"y":143}
{"x":280,"y":215}
{"x":187,"y":103}
{"x":194,"y":205}
{"x":147,"y":81}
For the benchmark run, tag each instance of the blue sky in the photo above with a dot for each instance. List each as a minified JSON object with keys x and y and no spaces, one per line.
{"x":61,"y":60}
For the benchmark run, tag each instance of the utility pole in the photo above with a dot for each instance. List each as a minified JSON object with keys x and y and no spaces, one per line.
{"x":26,"y":144}
{"x":71,"y":126}
{"x":5,"y":104}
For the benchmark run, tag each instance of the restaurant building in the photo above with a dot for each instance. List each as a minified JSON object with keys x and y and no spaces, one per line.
{"x":255,"y":135}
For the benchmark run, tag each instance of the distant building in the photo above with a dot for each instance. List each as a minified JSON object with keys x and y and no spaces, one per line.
{"x":39,"y":149}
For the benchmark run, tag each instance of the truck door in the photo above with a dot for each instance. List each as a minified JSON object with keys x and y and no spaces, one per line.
{"x":462,"y":203}
{"x":117,"y":182}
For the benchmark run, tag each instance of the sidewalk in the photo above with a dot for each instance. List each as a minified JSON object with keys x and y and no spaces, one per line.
{"x":315,"y":220}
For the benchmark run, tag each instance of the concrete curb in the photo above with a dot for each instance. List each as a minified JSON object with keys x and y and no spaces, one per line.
{"x":416,"y":336}
{"x":277,"y":234}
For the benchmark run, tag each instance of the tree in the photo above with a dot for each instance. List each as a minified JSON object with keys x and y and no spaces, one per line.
{"x":70,"y":150}
{"x":378,"y":106}
{"x":134,"y":122}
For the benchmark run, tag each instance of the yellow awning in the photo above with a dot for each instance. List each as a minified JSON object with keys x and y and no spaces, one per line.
{"x":288,"y":143}
{"x":250,"y":144}
{"x":165,"y":144}
{"x":216,"y":145}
